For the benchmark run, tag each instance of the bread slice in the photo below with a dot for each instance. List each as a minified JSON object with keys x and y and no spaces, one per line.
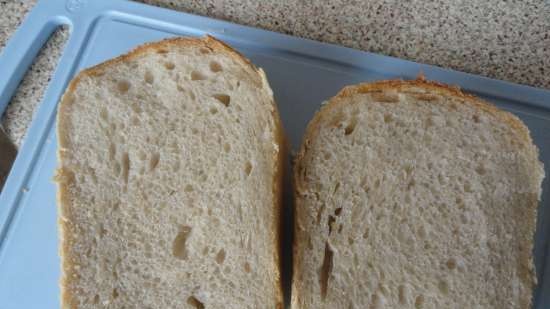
{"x":169,"y":179}
{"x":412,"y":194}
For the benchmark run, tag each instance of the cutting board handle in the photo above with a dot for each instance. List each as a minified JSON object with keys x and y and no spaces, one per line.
{"x":21,"y":50}
{"x":19,"y":53}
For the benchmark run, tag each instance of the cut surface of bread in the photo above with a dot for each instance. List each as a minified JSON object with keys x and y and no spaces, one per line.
{"x":411,"y":194}
{"x":169,"y":180}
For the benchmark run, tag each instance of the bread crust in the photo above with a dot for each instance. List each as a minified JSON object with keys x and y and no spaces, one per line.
{"x":64,"y":180}
{"x":399,"y":85}
{"x":425,"y":87}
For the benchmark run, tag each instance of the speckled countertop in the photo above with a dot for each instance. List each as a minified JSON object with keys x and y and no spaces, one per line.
{"x":503,"y":39}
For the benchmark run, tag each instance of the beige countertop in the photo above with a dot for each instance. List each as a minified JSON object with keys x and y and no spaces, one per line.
{"x":503,"y":39}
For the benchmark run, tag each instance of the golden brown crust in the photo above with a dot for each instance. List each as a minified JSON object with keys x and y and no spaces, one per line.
{"x":437,"y":88}
{"x":208,"y":42}
{"x":278,"y":201}
{"x":278,"y":177}
{"x":211,"y":44}
{"x":431,"y":87}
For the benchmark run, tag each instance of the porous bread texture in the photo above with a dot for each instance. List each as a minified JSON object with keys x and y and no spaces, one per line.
{"x":411,"y":194}
{"x":169,"y":181}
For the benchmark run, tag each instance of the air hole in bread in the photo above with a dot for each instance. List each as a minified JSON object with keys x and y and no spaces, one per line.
{"x":102,"y":230}
{"x":104,"y":114}
{"x":215,"y":67}
{"x":247,"y":168}
{"x":247,"y":268}
{"x":320,"y":213}
{"x":366,"y":233}
{"x":338,"y":211}
{"x":95,"y":300}
{"x":325,"y":270}
{"x":193,"y":301}
{"x":205,"y":250}
{"x":116,"y":168}
{"x":179,"y":246}
{"x":112,"y":128}
{"x":331,"y":221}
{"x":161,"y":51}
{"x":213,"y":110}
{"x":188,"y":188}
{"x":196,"y":75}
{"x":223,"y":98}
{"x":202,"y":176}
{"x":169,"y":65}
{"x":388,"y":118}
{"x":351,"y":126}
{"x":115,"y":293}
{"x":149,"y":78}
{"x":89,"y":252}
{"x":419,"y":302}
{"x":192,"y":96}
{"x":451,"y":263}
{"x":123,"y":86}
{"x":441,"y":179}
{"x":204,"y":50}
{"x":227,"y":147}
{"x":467,"y":187}
{"x":125,"y":166}
{"x":180,"y":88}
{"x":112,"y":151}
{"x":429,"y":122}
{"x":411,"y":184}
{"x":481,"y":169}
{"x":220,"y":256}
{"x":154,"y":161}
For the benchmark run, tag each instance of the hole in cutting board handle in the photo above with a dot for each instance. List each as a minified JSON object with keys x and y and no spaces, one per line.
{"x":18,"y":114}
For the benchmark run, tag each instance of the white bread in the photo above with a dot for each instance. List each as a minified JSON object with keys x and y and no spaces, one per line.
{"x":412,"y":194}
{"x":169,"y":181}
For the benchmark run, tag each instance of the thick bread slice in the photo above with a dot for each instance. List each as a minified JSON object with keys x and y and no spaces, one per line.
{"x":169,"y":181}
{"x":411,"y":194}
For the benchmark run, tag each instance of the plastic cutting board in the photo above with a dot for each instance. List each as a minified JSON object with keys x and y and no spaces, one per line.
{"x":303,"y":73}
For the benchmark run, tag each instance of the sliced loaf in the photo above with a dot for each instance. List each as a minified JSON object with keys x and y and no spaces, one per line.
{"x":169,"y":181}
{"x":412,"y":194}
